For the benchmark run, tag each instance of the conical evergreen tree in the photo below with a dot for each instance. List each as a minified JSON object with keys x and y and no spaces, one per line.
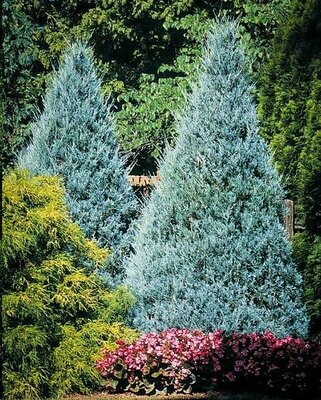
{"x":74,"y":138}
{"x":210,"y":250}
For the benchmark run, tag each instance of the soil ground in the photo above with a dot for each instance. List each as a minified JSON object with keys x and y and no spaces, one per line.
{"x":195,"y":396}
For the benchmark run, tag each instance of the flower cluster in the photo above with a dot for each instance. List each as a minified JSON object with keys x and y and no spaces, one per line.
{"x":184,"y":360}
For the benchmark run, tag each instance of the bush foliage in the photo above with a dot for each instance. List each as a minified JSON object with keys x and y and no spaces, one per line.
{"x":183,"y":361}
{"x":19,"y":95}
{"x":289,"y":100}
{"x":307,"y":253}
{"x":57,"y":312}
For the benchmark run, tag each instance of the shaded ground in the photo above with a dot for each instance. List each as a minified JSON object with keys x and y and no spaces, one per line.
{"x":195,"y":396}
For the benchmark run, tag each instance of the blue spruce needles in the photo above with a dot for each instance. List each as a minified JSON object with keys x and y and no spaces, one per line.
{"x":74,"y":138}
{"x":210,"y":250}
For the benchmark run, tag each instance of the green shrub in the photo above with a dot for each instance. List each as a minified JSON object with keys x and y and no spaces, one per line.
{"x":290,"y":92}
{"x":54,"y":302}
{"x":307,"y":252}
{"x":289,"y":109}
{"x":78,"y":351}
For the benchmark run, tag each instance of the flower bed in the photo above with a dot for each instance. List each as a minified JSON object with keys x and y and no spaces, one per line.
{"x":183,"y":361}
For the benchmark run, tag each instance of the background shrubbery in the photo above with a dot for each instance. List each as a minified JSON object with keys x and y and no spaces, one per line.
{"x":289,"y":110}
{"x":147,"y":51}
{"x":307,"y":253}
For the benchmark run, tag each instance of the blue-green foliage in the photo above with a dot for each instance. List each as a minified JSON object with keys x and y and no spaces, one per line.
{"x":210,"y":249}
{"x":74,"y":138}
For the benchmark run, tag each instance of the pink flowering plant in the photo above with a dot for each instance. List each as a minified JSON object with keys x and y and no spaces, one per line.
{"x":171,"y":361}
{"x":290,"y":366}
{"x":185,"y":360}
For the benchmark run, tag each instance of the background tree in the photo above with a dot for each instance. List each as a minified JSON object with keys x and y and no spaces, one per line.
{"x":290,"y":104}
{"x":19,"y":96}
{"x":57,"y":314}
{"x":210,"y":249}
{"x":74,"y":138}
{"x":148,"y":51}
{"x":288,"y":86}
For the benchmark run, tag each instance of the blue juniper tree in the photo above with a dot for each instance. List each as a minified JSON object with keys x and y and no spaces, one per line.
{"x":74,"y":138}
{"x":210,"y":250}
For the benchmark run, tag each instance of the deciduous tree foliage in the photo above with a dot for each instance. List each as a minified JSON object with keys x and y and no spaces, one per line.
{"x":74,"y":138}
{"x":147,"y":51}
{"x":57,"y":313}
{"x":210,"y":251}
{"x":19,"y":96}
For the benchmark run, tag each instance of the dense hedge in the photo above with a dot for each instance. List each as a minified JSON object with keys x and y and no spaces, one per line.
{"x":185,"y":361}
{"x":290,"y":97}
{"x":289,"y":109}
{"x":307,"y":252}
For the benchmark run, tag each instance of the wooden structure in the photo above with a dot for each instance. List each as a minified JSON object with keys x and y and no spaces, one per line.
{"x":143,"y":180}
{"x":289,"y":218}
{"x":144,"y":183}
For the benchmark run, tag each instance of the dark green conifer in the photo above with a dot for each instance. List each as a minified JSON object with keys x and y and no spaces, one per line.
{"x":290,"y":114}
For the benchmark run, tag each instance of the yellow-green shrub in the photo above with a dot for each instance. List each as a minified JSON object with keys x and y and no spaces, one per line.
{"x":78,"y":351}
{"x":57,"y":311}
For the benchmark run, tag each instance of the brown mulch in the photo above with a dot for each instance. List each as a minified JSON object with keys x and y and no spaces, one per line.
{"x":194,"y":396}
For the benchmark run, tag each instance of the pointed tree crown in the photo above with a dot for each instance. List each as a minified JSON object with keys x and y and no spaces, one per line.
{"x":74,"y":138}
{"x":210,"y":249}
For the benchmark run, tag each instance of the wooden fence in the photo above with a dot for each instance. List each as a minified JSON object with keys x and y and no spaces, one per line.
{"x":143,"y":180}
{"x":144,"y":183}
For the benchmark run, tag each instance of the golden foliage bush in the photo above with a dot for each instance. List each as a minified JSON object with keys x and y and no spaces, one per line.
{"x":57,"y":311}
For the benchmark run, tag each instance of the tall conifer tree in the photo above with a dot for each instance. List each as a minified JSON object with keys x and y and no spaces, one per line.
{"x":211,"y":250}
{"x":289,"y":95}
{"x":290,"y":114}
{"x":74,"y":138}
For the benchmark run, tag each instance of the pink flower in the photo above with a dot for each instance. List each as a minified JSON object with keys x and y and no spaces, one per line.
{"x":174,"y":354}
